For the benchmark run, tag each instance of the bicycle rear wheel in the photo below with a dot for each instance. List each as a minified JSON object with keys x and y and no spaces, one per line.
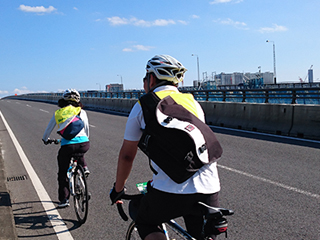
{"x":176,"y":233}
{"x":81,"y":198}
{"x":172,"y":232}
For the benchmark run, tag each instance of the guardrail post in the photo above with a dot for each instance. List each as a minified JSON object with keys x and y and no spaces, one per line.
{"x":294,"y":97}
{"x":243,"y":96}
{"x":267,"y":97}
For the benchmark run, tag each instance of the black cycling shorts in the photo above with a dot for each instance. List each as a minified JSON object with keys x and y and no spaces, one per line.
{"x":157,"y":207}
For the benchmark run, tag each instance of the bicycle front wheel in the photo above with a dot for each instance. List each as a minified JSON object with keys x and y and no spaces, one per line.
{"x":81,"y":198}
{"x":132,"y":232}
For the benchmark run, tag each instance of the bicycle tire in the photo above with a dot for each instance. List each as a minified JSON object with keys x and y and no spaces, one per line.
{"x":81,"y":198}
{"x":132,"y":232}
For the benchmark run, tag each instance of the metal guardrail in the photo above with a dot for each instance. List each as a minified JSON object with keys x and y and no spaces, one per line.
{"x":287,"y":95}
{"x":272,"y":95}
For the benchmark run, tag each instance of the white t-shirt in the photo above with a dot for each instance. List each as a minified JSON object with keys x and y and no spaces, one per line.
{"x":206,"y":180}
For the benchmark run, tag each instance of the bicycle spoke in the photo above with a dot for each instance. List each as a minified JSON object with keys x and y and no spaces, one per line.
{"x":81,"y":195}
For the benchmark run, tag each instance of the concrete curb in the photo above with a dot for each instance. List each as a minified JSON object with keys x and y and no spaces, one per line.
{"x":7,"y":224}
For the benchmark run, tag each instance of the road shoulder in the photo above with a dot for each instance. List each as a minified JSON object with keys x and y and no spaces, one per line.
{"x":7,"y":230}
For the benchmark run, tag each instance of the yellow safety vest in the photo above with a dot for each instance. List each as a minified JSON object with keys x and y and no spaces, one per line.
{"x":64,"y":116}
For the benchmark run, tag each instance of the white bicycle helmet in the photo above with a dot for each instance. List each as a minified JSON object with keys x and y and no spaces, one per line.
{"x":166,"y":68}
{"x":71,"y":95}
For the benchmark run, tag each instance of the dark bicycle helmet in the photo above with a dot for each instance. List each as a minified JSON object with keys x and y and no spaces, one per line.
{"x":166,"y":68}
{"x":71,"y":95}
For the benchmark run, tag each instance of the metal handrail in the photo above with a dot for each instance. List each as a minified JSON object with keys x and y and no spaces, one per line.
{"x":272,"y":95}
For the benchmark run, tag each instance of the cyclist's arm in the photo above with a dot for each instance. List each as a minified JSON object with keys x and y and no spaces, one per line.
{"x":84,"y":117}
{"x":126,"y":156}
{"x":49,"y":129}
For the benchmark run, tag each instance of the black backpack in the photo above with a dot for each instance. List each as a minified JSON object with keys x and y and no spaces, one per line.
{"x":175,"y":139}
{"x":72,"y":129}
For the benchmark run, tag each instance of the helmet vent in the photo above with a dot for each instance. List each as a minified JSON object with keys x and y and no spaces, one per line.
{"x":162,"y":72}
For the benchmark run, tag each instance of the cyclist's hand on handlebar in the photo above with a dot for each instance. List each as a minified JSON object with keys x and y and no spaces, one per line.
{"x":49,"y":141}
{"x":115,"y":196}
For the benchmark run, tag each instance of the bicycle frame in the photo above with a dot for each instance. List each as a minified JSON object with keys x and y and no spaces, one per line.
{"x":215,"y":213}
{"x":70,"y":173}
{"x":178,"y":229}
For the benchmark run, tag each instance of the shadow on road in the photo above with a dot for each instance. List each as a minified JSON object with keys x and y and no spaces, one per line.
{"x":38,"y":222}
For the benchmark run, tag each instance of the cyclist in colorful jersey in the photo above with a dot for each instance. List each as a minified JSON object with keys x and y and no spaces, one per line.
{"x":69,"y":104}
{"x":165,"y":199}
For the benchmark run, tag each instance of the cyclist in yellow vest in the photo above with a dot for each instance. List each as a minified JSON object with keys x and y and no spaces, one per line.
{"x":165,"y":199}
{"x":70,"y":107}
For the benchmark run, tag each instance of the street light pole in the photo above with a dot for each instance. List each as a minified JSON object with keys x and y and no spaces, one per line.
{"x":274,"y":62}
{"x":99,"y":86}
{"x":120,"y":77}
{"x":197,"y":66}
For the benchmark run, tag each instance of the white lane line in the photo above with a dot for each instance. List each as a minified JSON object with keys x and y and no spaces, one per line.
{"x":309,"y":194}
{"x":57,"y":222}
{"x":92,"y":125}
{"x":43,"y":110}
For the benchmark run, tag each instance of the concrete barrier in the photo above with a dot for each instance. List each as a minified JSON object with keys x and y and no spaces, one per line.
{"x":270,"y":118}
{"x":306,"y":121}
{"x":298,"y":120}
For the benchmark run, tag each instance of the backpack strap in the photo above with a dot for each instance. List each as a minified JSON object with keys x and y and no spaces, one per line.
{"x":148,"y":103}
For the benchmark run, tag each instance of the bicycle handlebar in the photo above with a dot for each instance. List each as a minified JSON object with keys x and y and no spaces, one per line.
{"x":119,"y":204}
{"x":55,"y":141}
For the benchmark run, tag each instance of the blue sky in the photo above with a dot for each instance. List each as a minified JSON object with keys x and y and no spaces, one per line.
{"x":48,"y":46}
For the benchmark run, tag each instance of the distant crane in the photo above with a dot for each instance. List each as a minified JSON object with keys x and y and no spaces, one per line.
{"x":305,"y":79}
{"x":301,"y":80}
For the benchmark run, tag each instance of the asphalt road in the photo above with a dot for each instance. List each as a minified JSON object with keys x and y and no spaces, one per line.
{"x":272,"y":183}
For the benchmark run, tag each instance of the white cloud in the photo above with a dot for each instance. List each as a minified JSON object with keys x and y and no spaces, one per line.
{"x":24,"y":90}
{"x":3,"y":92}
{"x":142,"y":48}
{"x":275,"y":28}
{"x":195,"y":16}
{"x":225,"y":1}
{"x":127,"y":50}
{"x":75,"y":8}
{"x":38,"y":9}
{"x":137,"y":48}
{"x":163,"y":22}
{"x":182,"y":22}
{"x":118,"y":21}
{"x":115,"y":21}
{"x":229,"y":21}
